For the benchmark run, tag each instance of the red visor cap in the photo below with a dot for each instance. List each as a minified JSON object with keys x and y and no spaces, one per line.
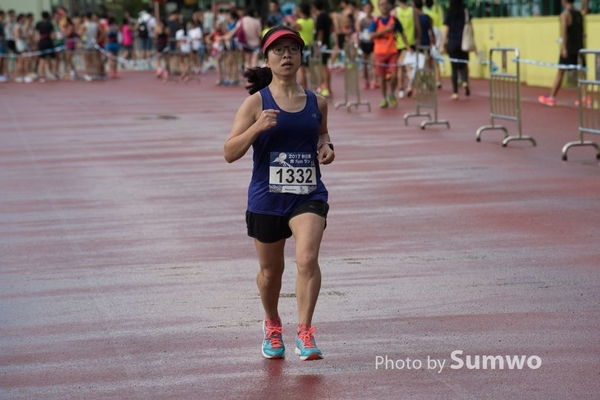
{"x":282,"y":34}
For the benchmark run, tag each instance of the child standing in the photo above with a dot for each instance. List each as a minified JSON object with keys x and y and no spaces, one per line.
{"x":383,"y":33}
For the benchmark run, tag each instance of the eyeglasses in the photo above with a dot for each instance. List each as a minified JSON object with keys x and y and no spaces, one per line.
{"x":280,"y":49}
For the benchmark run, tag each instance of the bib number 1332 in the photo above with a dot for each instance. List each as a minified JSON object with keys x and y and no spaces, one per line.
{"x":292,"y":172}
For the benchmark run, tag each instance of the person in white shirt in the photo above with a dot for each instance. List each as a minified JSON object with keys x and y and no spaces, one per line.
{"x":145,"y":33}
{"x":185,"y":48}
{"x":198,"y":45}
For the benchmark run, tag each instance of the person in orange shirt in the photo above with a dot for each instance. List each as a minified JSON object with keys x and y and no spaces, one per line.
{"x":383,"y":33}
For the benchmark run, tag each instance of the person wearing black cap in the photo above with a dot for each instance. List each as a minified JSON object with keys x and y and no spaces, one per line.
{"x":286,"y":126}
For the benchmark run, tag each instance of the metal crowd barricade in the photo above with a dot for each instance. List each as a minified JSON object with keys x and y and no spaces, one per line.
{"x":315,"y":68}
{"x":505,"y":94}
{"x":351,"y":79}
{"x":426,"y":84}
{"x":589,"y":104}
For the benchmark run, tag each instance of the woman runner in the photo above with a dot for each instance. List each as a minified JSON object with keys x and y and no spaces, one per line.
{"x":286,"y":125}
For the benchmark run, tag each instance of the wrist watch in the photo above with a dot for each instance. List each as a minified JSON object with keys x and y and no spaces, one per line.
{"x":326,"y":143}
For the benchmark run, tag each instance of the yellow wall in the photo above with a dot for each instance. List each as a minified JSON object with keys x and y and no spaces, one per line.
{"x":536,"y":38}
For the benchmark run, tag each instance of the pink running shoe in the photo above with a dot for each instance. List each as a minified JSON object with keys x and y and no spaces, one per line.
{"x":547,"y":100}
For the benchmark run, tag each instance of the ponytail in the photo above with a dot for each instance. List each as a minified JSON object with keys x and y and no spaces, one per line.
{"x":258,"y":78}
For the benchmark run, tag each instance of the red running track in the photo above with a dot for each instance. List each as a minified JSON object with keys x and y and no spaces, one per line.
{"x":126,"y":273}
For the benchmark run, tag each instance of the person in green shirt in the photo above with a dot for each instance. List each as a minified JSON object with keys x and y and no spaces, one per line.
{"x":305,"y":25}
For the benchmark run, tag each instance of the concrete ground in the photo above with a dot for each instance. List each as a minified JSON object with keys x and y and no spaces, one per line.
{"x":126,"y":272}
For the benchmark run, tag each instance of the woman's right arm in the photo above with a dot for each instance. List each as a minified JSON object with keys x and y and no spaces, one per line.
{"x":247,"y":127}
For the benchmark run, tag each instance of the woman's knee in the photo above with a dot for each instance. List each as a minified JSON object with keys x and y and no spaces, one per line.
{"x":272,"y":270}
{"x":307,"y":263}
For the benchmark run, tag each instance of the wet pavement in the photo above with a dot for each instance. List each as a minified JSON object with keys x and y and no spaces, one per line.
{"x":126,"y":272}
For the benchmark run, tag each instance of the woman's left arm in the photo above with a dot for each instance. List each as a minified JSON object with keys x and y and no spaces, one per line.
{"x":324,"y":148}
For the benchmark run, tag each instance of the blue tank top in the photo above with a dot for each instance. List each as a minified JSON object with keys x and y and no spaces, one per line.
{"x":425,"y":22}
{"x":286,"y":172}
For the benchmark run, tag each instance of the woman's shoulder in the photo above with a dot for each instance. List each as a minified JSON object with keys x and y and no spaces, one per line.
{"x":253,"y":102}
{"x":321,"y":101}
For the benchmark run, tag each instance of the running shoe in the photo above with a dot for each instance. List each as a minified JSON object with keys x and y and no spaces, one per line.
{"x":401,"y":94}
{"x":375,"y":85}
{"x":272,"y":346}
{"x":306,"y":347}
{"x":547,"y":100}
{"x":584,"y":102}
{"x":454,"y":96}
{"x":393,"y":101}
{"x":383,"y":104}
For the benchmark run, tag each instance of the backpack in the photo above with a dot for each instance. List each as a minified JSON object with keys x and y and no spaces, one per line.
{"x":143,"y":30}
{"x":240,"y":35}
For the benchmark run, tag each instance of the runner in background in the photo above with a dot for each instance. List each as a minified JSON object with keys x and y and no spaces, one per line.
{"x":305,"y":25}
{"x":71,"y":39}
{"x":184,"y":47}
{"x":198,"y":46}
{"x":323,"y":31}
{"x":366,"y":45}
{"x":275,"y":17}
{"x":112,"y":46}
{"x":31,"y":37}
{"x":347,"y":32}
{"x":572,"y":34}
{"x":337,"y":36}
{"x":427,"y":35}
{"x":454,"y":24}
{"x":9,"y":29}
{"x":3,"y":49}
{"x":231,"y":51}
{"x":218,"y":51}
{"x":58,"y":22}
{"x":127,"y":35}
{"x":436,"y":13}
{"x":252,"y":28}
{"x":145,"y":27}
{"x":101,"y":42}
{"x":21,"y":45}
{"x":163,"y":57}
{"x":45,"y":35}
{"x":410,"y":23}
{"x":89,"y":32}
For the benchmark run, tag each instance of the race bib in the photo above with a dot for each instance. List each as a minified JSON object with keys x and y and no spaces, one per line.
{"x":292,"y":172}
{"x":365,"y":35}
